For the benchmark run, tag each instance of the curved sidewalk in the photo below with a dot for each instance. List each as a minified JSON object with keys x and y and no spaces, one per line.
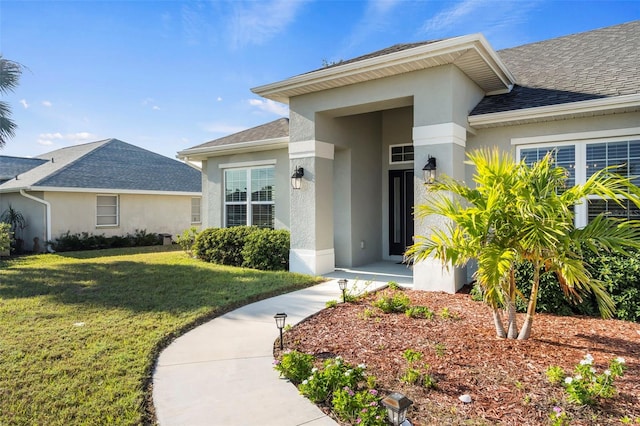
{"x":221,"y":373}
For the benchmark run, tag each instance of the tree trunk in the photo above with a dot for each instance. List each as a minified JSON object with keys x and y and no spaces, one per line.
{"x":525,"y":333}
{"x":497,"y":320}
{"x":511,"y":307}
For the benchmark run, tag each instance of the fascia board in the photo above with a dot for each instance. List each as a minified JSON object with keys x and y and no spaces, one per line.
{"x":103,"y":191}
{"x":540,"y":113}
{"x":398,"y":58}
{"x":236,"y":148}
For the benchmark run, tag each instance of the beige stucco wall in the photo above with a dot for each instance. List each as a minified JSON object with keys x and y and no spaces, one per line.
{"x":76,"y":212}
{"x":213,"y":181}
{"x":33,"y":212}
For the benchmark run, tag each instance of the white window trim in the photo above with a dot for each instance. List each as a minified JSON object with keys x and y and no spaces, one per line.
{"x":248,"y":202}
{"x":117,"y":224}
{"x":580,"y":142}
{"x":391,"y":155}
{"x":248,"y":164}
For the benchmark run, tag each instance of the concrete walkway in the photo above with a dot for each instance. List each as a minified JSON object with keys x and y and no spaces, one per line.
{"x":221,"y":373}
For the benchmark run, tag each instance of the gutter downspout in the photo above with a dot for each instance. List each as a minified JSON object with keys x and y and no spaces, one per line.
{"x":47,"y":209}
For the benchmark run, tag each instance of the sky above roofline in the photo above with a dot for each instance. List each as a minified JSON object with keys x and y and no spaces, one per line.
{"x":170,"y":75}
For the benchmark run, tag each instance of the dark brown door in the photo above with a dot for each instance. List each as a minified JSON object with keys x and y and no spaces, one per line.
{"x":400,"y":210}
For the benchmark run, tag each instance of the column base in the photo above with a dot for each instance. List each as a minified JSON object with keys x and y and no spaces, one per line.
{"x":312,"y":262}
{"x":430,"y":275}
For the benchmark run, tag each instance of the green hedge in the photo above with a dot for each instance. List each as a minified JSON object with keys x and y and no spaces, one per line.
{"x":247,"y":246}
{"x":267,"y":250}
{"x":619,"y":273}
{"x":86,"y":241}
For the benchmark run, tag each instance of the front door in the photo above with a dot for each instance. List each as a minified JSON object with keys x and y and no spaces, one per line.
{"x":400,"y":211}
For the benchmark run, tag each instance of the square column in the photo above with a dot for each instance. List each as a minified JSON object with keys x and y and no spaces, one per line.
{"x":311,"y":217}
{"x":446,"y":142}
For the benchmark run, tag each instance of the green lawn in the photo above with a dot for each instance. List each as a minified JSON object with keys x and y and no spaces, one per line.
{"x":80,"y":332}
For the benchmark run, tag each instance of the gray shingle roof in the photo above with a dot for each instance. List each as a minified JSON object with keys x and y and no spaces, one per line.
{"x":590,"y":65}
{"x":10,"y":167}
{"x":272,"y":130}
{"x":110,"y":164}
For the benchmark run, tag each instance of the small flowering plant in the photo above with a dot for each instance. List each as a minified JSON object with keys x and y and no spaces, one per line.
{"x":559,"y":417}
{"x":335,"y":374}
{"x":359,"y":407}
{"x":586,"y":385}
{"x":295,"y":366}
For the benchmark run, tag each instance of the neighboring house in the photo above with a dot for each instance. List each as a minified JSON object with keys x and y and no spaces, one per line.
{"x":108,"y":187}
{"x":364,"y":129}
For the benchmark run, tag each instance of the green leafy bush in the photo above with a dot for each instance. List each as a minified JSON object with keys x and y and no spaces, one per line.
{"x":87,"y":241}
{"x":187,"y":239}
{"x":586,"y":386}
{"x":267,"y":250}
{"x":419,"y":312}
{"x":392,"y":302}
{"x":5,"y":236}
{"x":359,"y":407}
{"x":295,"y":366}
{"x":335,"y":374}
{"x":222,"y":245}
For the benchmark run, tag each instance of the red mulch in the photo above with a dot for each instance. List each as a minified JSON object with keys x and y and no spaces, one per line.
{"x":505,"y":378}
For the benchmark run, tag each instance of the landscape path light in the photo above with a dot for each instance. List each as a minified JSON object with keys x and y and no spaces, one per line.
{"x":343,"y":286}
{"x":280,"y":318}
{"x":397,"y":405}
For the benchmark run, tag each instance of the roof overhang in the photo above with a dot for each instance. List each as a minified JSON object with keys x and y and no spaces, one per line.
{"x":97,"y":191}
{"x":589,"y":108}
{"x":472,"y":54}
{"x":202,"y":153}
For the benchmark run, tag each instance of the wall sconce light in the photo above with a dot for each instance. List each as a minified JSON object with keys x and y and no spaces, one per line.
{"x":280,"y":317}
{"x":296,"y":177}
{"x":397,"y":406}
{"x":429,"y":170}
{"x":343,"y":286}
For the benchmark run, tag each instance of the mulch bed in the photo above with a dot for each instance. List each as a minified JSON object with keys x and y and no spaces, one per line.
{"x":505,"y":378}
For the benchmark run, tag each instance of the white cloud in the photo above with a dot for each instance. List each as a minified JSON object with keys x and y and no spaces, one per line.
{"x":254,"y":22}
{"x":270,"y":106}
{"x":155,"y":108}
{"x":150,"y":102}
{"x":47,"y":104}
{"x":48,"y":139}
{"x":24,"y":103}
{"x":219,"y":99}
{"x":490,"y":17}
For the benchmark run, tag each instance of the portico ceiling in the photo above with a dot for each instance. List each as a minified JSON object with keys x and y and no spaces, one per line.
{"x":472,"y":54}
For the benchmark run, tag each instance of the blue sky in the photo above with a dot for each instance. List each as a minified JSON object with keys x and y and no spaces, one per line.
{"x":169,"y":75}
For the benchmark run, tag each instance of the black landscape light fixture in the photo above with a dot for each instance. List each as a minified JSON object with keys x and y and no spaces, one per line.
{"x":296,"y":177}
{"x":397,"y":405}
{"x":429,"y":170}
{"x":280,"y":317}
{"x":342,"y":283}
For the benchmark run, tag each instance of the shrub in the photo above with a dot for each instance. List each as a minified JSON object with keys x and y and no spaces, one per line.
{"x":267,"y":250}
{"x":619,"y":273}
{"x":295,"y":366}
{"x":5,"y":236}
{"x":394,"y":302}
{"x":222,"y":245}
{"x":585,"y":387}
{"x":187,"y":239}
{"x":87,"y":241}
{"x":419,"y":312}
{"x":335,"y":374}
{"x":361,"y":407}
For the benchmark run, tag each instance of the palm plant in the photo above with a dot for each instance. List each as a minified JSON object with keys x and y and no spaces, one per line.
{"x":10,"y":73}
{"x":520,"y":213}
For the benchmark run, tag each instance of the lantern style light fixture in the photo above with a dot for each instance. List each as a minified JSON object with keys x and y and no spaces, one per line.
{"x":429,"y":170}
{"x":296,"y":177}
{"x":343,"y":286}
{"x":397,"y":405}
{"x":280,"y":318}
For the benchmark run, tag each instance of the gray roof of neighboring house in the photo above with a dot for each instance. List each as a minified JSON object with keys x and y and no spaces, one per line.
{"x":12,"y":166}
{"x":109,"y":164}
{"x":590,"y":65}
{"x":273,"y":130}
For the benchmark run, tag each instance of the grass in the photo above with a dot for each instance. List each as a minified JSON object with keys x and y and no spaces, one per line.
{"x":81,"y":331}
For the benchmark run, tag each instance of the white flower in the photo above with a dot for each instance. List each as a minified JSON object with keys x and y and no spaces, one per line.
{"x":304,"y":382}
{"x":310,"y":378}
{"x":314,"y":369}
{"x":620,"y":360}
{"x":347,"y":373}
{"x":607,"y":372}
{"x":593,"y":370}
{"x":589,"y":357}
{"x":362,"y":366}
{"x":578,"y":376}
{"x":568,"y":380}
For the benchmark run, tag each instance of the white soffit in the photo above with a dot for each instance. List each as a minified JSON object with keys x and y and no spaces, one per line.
{"x":472,"y":54}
